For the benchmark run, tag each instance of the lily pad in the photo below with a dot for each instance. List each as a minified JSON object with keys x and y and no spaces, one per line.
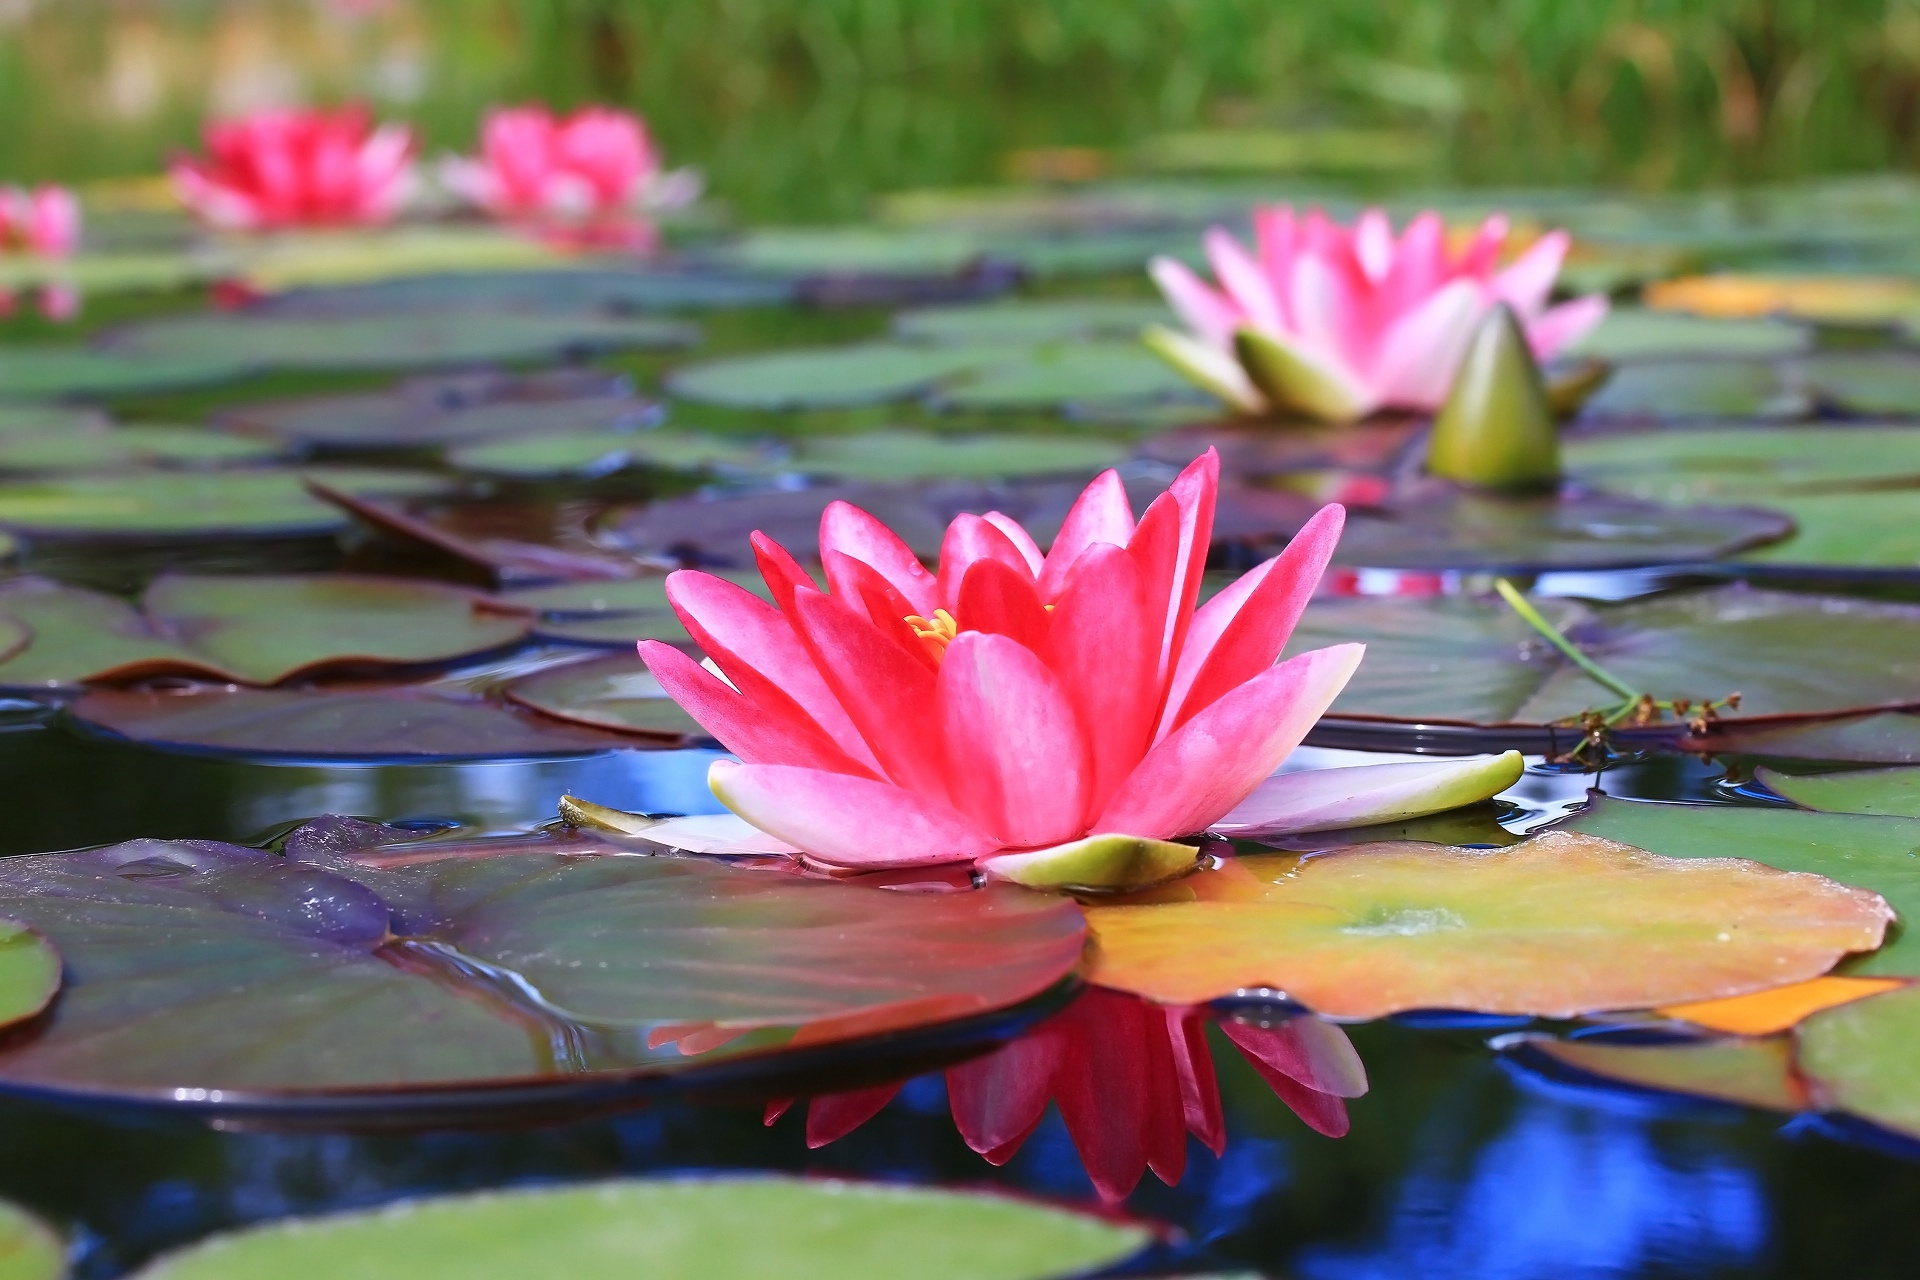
{"x":1030,"y":321}
{"x":1864,"y":381}
{"x":29,"y":1248}
{"x":618,"y":612}
{"x":1893,"y":792}
{"x":1868,"y":530}
{"x":150,"y":505}
{"x":385,"y":723}
{"x":1884,"y":737}
{"x":614,"y":692}
{"x":1831,"y":298}
{"x":1635,"y":333}
{"x":1469,"y":531}
{"x":1463,"y":659}
{"x":388,"y":341}
{"x":683,"y":1229}
{"x":586,"y":287}
{"x":1867,"y":852}
{"x":253,"y":629}
{"x":1744,"y":464}
{"x":1077,"y":373}
{"x":353,"y":976}
{"x":1695,"y":389}
{"x":430,"y":412}
{"x":54,"y":372}
{"x":824,"y":377}
{"x":1755,"y":1072}
{"x":103,"y":449}
{"x":917,"y":455}
{"x":1556,"y":926}
{"x":594,"y":453}
{"x":1859,"y":1058}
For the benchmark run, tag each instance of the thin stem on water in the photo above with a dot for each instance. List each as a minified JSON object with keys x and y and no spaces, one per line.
{"x":1535,"y":619}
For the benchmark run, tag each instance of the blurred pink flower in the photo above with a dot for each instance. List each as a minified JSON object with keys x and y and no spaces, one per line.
{"x":300,"y":168}
{"x":1362,"y":320}
{"x":1012,"y":704}
{"x":43,"y":222}
{"x":587,"y":178}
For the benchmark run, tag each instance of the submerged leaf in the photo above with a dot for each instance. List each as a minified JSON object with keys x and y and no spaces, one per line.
{"x":1559,"y":925}
{"x":769,"y":1228}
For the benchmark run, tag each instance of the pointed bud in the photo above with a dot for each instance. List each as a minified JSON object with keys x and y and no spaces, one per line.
{"x":1496,"y":429}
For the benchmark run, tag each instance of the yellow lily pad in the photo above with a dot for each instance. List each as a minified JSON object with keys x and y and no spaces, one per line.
{"x":1560,"y":925}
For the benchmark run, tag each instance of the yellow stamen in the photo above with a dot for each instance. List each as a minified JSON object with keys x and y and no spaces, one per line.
{"x":936,"y":633}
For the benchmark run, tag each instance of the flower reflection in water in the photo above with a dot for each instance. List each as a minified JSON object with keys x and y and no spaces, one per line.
{"x":1131,"y":1080}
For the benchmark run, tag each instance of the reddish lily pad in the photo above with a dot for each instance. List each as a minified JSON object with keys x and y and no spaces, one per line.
{"x":679,"y":1229}
{"x":253,"y":629}
{"x":352,"y":976}
{"x":1883,"y":737}
{"x":618,"y":612}
{"x":1865,"y":851}
{"x":362,"y":724}
{"x":613,"y":692}
{"x":1559,"y":925}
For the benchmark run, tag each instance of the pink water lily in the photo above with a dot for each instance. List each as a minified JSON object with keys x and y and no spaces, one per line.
{"x":43,"y":222}
{"x":590,"y":177}
{"x":301,"y":168}
{"x":1011,"y":701}
{"x":1338,"y":322}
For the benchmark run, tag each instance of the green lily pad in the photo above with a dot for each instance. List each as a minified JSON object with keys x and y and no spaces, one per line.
{"x":29,"y":979}
{"x":808,"y":250}
{"x":384,"y":723}
{"x":1695,"y":389}
{"x":250,"y":628}
{"x":600,"y":452}
{"x":1864,"y":381}
{"x":1468,"y":660}
{"x":51,"y":372}
{"x":29,"y":1248}
{"x":1891,"y":792}
{"x":683,"y":1229}
{"x":343,"y":255}
{"x":919,"y":455}
{"x":48,"y":419}
{"x":255,"y":502}
{"x":621,"y":611}
{"x":1634,"y":333}
{"x":824,"y":377}
{"x":1864,"y":529}
{"x":1859,"y":1058}
{"x":436,"y":411}
{"x":1884,"y":737}
{"x":1867,"y":852}
{"x":104,"y":449}
{"x":1023,"y":321}
{"x":353,"y":976}
{"x":388,"y":341}
{"x":599,"y":285}
{"x":612,"y":692}
{"x":1466,"y":530}
{"x":1559,"y":925}
{"x":1065,"y":373}
{"x":1744,"y":464}
{"x":1754,"y":1072}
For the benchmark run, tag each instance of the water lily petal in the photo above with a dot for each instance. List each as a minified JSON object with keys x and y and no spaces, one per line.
{"x":1019,"y":537}
{"x":1242,"y":279}
{"x":1199,"y":1086}
{"x":1100,"y":648}
{"x":781,"y":571}
{"x":1196,"y":775}
{"x":1215,"y":371}
{"x":1169,"y":547}
{"x":1362,"y":795}
{"x":1417,"y":356}
{"x":1240,"y":632}
{"x":1205,"y":311}
{"x":1483,"y":250}
{"x":1106,"y":861}
{"x":1525,"y":284}
{"x":832,"y":1116}
{"x":1560,"y":327}
{"x":780,"y":733}
{"x":1419,"y":264}
{"x":1101,"y":514}
{"x":847,"y":821}
{"x":1276,"y":237}
{"x":718,"y":834}
{"x":754,"y":645}
{"x":999,"y":1099}
{"x":1016,"y":758}
{"x":1373,"y":244}
{"x":970,"y":539}
{"x":1326,"y":317}
{"x":886,"y":691}
{"x":999,"y":599}
{"x":846,"y":528}
{"x":1293,"y":375}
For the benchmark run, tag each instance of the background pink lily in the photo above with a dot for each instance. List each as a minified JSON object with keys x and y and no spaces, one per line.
{"x":1011,"y":701}
{"x":302,"y":168}
{"x":590,"y":177}
{"x":1345,"y":321}
{"x":43,"y":222}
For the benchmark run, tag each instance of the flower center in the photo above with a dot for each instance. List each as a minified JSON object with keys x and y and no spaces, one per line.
{"x":936,"y":633}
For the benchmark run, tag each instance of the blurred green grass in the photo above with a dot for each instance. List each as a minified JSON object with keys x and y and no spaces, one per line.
{"x":804,"y":109}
